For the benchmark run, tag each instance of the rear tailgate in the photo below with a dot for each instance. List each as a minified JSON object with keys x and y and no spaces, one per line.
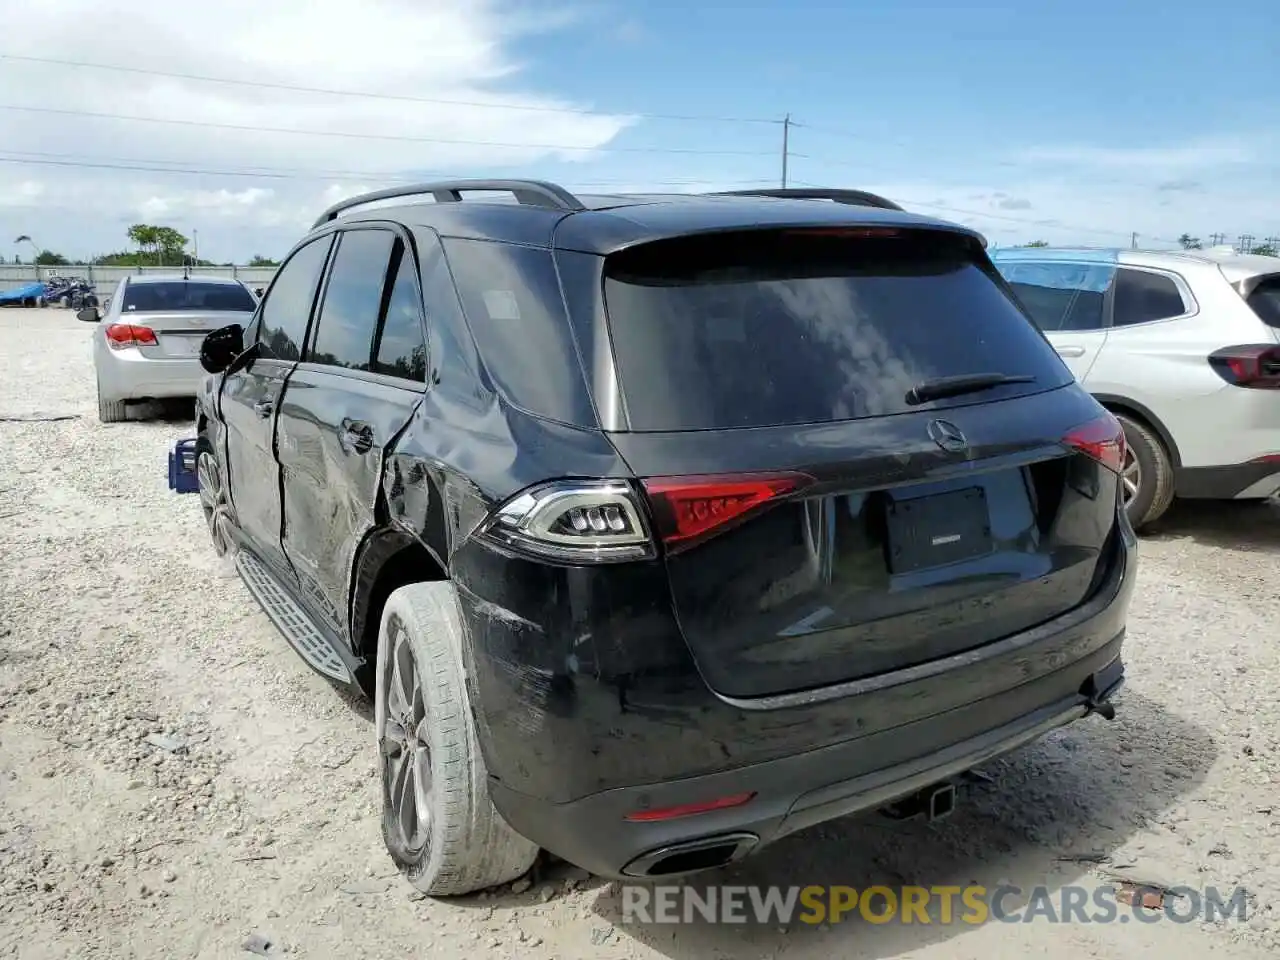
{"x":819,"y":526}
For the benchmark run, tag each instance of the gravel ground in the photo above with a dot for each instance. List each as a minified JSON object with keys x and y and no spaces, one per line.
{"x":174,"y":781}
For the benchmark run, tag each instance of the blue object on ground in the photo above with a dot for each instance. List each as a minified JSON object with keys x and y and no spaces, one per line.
{"x":31,"y":291}
{"x":182,"y":467}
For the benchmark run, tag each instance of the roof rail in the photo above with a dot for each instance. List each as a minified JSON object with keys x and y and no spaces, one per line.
{"x":857,"y":198}
{"x":537,"y":193}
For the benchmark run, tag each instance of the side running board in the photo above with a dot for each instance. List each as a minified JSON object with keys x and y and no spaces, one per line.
{"x":290,"y":619}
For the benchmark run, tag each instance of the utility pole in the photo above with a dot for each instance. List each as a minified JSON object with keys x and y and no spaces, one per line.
{"x":786,"y":147}
{"x":1133,"y":241}
{"x":1246,"y":242}
{"x":1216,"y":239}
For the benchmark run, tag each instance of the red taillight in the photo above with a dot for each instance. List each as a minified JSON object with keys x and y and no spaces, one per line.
{"x":1101,"y":439}
{"x":689,"y":509}
{"x":1251,"y":365}
{"x":690,"y":809}
{"x":120,"y":335}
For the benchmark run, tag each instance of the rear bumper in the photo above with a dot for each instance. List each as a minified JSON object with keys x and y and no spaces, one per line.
{"x":793,"y":793}
{"x":127,"y":375}
{"x":653,"y":742}
{"x":1257,"y":480}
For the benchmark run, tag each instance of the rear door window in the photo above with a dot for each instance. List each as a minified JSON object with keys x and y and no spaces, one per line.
{"x":789,"y":327}
{"x":1144,"y":297}
{"x":401,"y":345}
{"x":1061,"y":296}
{"x":348,"y":316}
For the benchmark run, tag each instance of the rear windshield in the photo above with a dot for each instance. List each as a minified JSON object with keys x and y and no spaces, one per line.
{"x":1265,"y":300}
{"x":765,"y":329}
{"x":183,"y":295}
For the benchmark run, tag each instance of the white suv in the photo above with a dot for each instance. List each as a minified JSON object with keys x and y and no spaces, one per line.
{"x":1184,"y":347}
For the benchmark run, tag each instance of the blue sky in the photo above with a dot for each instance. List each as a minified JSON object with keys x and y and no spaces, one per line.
{"x":1072,"y":122}
{"x":1128,"y":96}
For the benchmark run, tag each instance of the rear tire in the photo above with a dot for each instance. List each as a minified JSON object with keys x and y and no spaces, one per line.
{"x":454,"y":841}
{"x":110,"y":411}
{"x":1149,"y":463}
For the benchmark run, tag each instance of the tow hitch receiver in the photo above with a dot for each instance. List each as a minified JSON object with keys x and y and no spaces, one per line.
{"x":1099,"y":690}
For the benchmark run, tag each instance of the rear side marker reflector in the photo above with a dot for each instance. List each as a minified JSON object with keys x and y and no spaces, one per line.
{"x":122,"y":335}
{"x":690,"y":809}
{"x":687,"y":510}
{"x":1102,"y":439}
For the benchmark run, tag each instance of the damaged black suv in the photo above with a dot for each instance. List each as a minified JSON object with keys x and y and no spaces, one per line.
{"x":660,"y":527}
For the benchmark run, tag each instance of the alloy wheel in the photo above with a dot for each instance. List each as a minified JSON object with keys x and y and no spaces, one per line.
{"x":1130,"y":477}
{"x":406,"y":768}
{"x":213,"y":501}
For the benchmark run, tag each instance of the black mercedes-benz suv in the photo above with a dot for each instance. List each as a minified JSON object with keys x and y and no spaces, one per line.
{"x":660,"y":527}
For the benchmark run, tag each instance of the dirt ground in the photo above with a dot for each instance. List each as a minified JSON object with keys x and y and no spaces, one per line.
{"x":174,"y":782}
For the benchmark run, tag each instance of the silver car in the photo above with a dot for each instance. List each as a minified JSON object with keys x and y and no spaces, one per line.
{"x":147,"y":343}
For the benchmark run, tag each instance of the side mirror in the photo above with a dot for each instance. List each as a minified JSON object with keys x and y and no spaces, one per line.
{"x":88,"y":314}
{"x":221,"y":347}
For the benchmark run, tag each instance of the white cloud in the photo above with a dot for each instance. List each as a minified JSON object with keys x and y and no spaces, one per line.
{"x":20,"y":193}
{"x":458,"y":50}
{"x":469,"y":52}
{"x":1068,"y":212}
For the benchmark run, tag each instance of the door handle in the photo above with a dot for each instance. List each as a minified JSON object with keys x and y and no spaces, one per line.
{"x":356,"y":436}
{"x":263,"y":408}
{"x":1071,"y":351}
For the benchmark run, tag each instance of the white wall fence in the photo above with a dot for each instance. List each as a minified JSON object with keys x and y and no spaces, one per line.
{"x":104,"y":279}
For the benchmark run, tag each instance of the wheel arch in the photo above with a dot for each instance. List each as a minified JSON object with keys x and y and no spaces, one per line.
{"x":1137,"y":411}
{"x":389,"y":558}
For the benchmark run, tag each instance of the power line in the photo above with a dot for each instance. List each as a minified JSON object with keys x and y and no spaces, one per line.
{"x":143,"y":166}
{"x":207,"y":124}
{"x":370,"y":95}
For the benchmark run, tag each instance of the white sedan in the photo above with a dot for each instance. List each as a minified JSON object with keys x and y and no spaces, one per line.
{"x":147,"y":344}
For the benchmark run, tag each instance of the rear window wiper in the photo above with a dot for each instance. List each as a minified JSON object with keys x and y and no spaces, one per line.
{"x":958,"y":386}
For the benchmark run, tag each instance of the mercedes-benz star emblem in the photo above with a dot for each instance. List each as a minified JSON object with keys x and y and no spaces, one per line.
{"x":947,"y":436}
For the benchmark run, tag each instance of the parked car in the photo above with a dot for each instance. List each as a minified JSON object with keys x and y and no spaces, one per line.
{"x":147,"y":344}
{"x":659,"y":528}
{"x":1183,"y":347}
